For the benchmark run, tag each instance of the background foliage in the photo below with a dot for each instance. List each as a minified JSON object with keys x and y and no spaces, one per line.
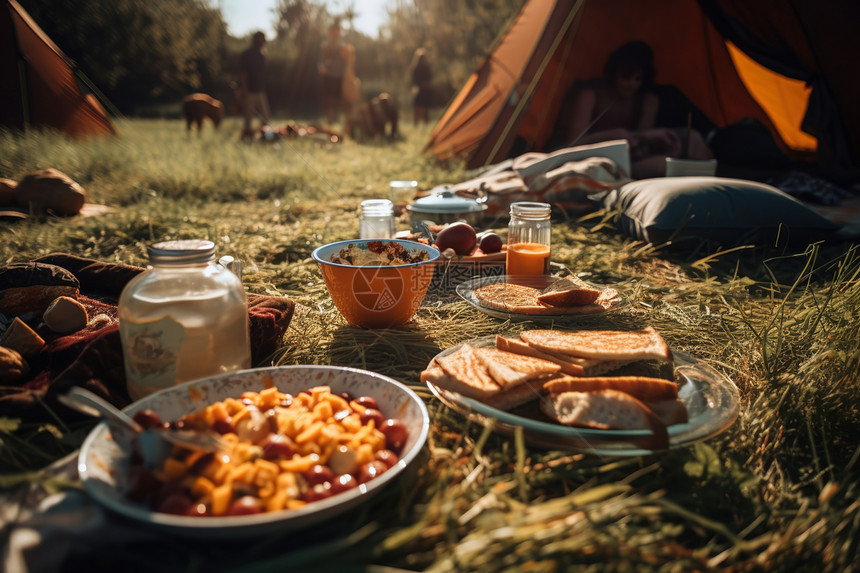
{"x":146,"y":55}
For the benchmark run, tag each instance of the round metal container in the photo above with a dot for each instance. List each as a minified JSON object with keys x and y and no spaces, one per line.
{"x":444,"y":206}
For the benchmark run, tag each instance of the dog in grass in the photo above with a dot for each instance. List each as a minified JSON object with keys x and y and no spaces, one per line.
{"x":198,"y":107}
{"x":376,"y":119}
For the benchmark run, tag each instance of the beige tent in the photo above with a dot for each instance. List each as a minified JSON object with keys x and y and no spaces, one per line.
{"x":38,"y":83}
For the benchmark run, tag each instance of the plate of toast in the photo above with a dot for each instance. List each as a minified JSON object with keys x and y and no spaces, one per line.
{"x":608,"y":392}
{"x":538,"y":298}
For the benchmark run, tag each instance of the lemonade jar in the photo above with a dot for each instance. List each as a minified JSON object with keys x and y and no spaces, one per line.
{"x":528,"y":239}
{"x":183,"y":318}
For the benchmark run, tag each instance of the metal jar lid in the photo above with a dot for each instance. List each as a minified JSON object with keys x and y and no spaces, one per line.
{"x":185,"y":252}
{"x":444,"y":200}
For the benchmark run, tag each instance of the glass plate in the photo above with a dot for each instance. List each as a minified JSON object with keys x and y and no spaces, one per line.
{"x":712,"y":402}
{"x":466,"y":290}
{"x":103,"y":460}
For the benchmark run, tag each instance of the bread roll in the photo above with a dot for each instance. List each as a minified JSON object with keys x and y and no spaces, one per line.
{"x":65,"y":315}
{"x":21,"y":338}
{"x":51,"y":190}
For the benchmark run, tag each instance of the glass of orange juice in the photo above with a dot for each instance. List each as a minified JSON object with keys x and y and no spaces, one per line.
{"x":528,"y":239}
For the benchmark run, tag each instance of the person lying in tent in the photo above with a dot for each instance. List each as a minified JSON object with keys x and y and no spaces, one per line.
{"x":621,"y":105}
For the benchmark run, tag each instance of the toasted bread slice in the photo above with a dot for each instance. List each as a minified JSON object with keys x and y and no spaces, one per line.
{"x":572,"y":367}
{"x":504,"y":296}
{"x":643,"y":344}
{"x":462,"y":372}
{"x":569,"y":291}
{"x":516,"y":396}
{"x":520,"y":299}
{"x":640,"y":387}
{"x":606,"y":410}
{"x":509,"y":369}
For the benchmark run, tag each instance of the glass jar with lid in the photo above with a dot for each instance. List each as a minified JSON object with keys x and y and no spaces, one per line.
{"x":376,"y":220}
{"x":185,"y":317}
{"x":529,"y":234}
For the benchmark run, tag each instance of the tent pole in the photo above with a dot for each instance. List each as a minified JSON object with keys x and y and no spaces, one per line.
{"x":529,"y":91}
{"x":98,"y":93}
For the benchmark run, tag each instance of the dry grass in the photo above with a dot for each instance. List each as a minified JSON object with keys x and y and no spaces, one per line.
{"x":776,"y":491}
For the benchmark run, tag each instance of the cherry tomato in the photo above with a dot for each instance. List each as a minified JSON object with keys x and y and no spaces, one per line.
{"x":395,"y":432}
{"x":176,"y":504}
{"x":246,"y":505}
{"x":319,"y":474}
{"x":198,"y":510}
{"x":222,"y":426}
{"x":318,"y":492}
{"x":147,"y":419}
{"x":276,"y":446}
{"x":371,"y":470}
{"x":387,"y":457}
{"x":343,"y":482}
{"x":367,"y":402}
{"x":372,"y":414}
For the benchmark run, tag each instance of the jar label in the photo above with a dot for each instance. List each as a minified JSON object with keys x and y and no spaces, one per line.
{"x":152,"y":350}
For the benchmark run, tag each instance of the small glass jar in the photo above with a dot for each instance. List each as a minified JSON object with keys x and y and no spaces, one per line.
{"x":403,"y":192}
{"x":529,"y":236}
{"x":376,"y":220}
{"x":185,"y":317}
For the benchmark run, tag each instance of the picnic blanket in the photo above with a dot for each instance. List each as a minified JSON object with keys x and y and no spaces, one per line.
{"x":92,"y":357}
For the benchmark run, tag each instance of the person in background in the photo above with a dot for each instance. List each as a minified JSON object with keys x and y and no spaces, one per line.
{"x":333,"y":63}
{"x":621,"y":105}
{"x":252,"y":64}
{"x":422,"y":86}
{"x":351,"y":87}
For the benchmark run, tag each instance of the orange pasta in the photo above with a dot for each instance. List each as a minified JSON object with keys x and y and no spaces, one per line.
{"x":283,"y":452}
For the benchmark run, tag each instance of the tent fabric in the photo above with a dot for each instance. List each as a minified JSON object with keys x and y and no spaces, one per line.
{"x":813,"y":42}
{"x":38,"y":85}
{"x":518,"y":93}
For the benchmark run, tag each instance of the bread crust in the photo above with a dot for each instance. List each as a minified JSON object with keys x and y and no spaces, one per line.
{"x":569,"y":291}
{"x":641,"y":387}
{"x":645,"y":344}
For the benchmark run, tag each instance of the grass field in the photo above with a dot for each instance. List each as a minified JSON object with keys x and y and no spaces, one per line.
{"x":777,"y":491}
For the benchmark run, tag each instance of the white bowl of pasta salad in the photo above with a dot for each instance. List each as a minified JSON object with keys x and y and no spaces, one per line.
{"x":304,"y":443}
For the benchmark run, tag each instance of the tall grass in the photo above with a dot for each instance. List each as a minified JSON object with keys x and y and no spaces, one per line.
{"x":776,"y":491}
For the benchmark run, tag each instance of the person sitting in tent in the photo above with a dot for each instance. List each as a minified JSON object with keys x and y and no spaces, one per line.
{"x":621,"y":105}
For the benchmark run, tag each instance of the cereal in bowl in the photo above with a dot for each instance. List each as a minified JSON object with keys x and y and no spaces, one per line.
{"x":378,"y":253}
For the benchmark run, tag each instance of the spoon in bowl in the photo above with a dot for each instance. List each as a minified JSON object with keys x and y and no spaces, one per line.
{"x":155,"y":442}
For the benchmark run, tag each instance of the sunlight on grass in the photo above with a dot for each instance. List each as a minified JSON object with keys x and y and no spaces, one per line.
{"x":782,"y":325}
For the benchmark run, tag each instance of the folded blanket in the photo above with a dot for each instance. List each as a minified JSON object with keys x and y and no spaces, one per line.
{"x":568,"y":179}
{"x":92,"y":357}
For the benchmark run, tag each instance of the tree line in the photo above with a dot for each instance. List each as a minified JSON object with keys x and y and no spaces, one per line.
{"x":142,"y":54}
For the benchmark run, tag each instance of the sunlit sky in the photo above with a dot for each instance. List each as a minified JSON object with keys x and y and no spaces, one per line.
{"x":244,"y":16}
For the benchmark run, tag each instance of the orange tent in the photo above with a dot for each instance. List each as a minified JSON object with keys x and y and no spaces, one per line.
{"x":517,"y":94}
{"x":38,"y":84}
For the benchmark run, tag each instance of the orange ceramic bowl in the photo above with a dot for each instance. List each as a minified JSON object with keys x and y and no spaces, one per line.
{"x":381,"y":296}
